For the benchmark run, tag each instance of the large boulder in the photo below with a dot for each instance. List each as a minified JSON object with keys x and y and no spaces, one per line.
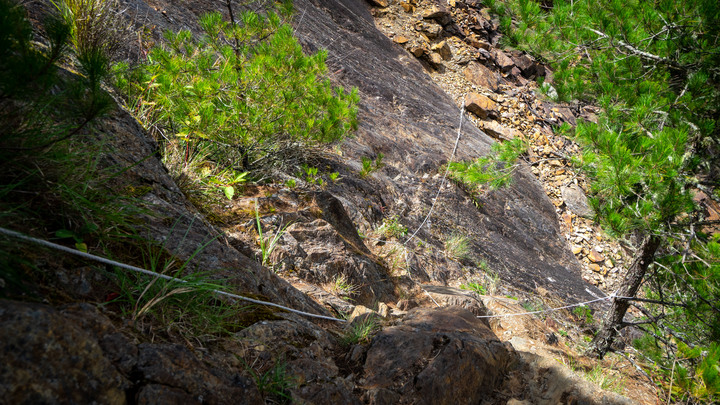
{"x":436,"y":356}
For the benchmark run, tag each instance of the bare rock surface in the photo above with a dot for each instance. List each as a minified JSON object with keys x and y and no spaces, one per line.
{"x":46,"y":359}
{"x":413,"y":124}
{"x":76,"y":355}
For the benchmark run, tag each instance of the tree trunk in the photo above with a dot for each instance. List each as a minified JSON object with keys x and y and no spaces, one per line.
{"x":613,"y":321}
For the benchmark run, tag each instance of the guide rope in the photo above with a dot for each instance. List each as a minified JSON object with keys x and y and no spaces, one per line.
{"x":154,"y":274}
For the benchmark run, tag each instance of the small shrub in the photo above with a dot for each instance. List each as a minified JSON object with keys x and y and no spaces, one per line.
{"x":605,"y":380}
{"x":95,"y":25}
{"x":493,"y":171}
{"x":267,"y":244}
{"x":532,"y":305}
{"x":343,"y":287}
{"x":188,"y":307}
{"x":584,"y":313}
{"x":275,"y":383}
{"x":370,"y":165}
{"x":310,"y":174}
{"x":51,"y":160}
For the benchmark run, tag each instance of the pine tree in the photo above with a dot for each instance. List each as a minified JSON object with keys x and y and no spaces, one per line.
{"x":654,"y":68}
{"x":242,"y":96}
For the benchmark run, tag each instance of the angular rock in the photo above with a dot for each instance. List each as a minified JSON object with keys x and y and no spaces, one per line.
{"x":418,"y":50}
{"x":517,"y":74}
{"x":565,"y":115}
{"x":409,"y":8}
{"x":438,"y":356}
{"x":156,"y":394}
{"x":576,"y":200}
{"x":480,"y":75}
{"x":503,"y":61}
{"x":449,"y":296}
{"x":438,"y":13}
{"x":400,"y":39}
{"x":477,"y":43}
{"x":481,"y":106}
{"x":525,"y":64}
{"x":430,"y":29}
{"x":443,"y":49}
{"x":175,"y":366}
{"x":498,"y":131}
{"x":434,"y":59}
{"x":595,"y":257}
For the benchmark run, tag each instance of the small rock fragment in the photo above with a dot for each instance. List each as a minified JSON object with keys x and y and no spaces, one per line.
{"x":503,"y":61}
{"x":480,"y":75}
{"x":480,"y":105}
{"x":497,"y":131}
{"x":596,"y":257}
{"x":443,"y":49}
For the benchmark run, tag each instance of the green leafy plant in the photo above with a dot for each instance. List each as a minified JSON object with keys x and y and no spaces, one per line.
{"x":334,"y":176}
{"x":95,"y":27}
{"x":492,"y":279}
{"x":51,"y":159}
{"x":343,"y":286}
{"x":371,"y":165}
{"x":275,"y":383}
{"x":599,"y":376}
{"x":310,"y":174}
{"x":532,"y":305}
{"x":585,"y":314}
{"x":243,"y":95}
{"x":187,"y":306}
{"x":651,"y":67}
{"x":478,"y":288}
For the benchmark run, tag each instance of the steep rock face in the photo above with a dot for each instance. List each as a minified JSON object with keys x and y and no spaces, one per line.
{"x":414,"y":124}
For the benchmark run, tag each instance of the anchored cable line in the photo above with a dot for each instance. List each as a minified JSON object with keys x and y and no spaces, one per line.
{"x":154,"y":274}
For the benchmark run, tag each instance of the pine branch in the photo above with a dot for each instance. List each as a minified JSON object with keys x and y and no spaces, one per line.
{"x":635,"y":51}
